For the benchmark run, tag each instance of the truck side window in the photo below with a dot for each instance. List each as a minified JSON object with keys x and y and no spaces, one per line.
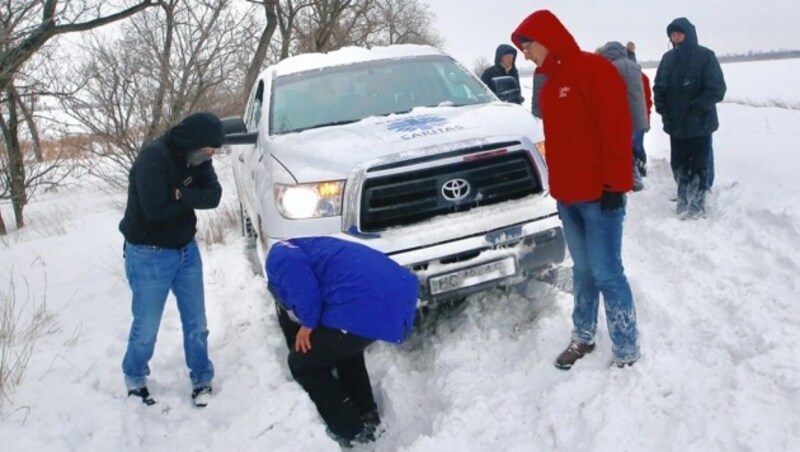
{"x":255,"y":112}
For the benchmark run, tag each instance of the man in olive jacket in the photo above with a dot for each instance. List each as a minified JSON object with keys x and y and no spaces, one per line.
{"x":688,"y":85}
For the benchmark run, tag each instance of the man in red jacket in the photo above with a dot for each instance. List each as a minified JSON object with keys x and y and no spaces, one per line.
{"x":588,"y":129}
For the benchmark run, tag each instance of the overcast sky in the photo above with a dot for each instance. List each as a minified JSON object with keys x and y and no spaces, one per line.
{"x":473,"y":28}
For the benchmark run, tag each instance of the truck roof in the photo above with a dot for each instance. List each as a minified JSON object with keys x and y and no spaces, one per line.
{"x":348,"y":55}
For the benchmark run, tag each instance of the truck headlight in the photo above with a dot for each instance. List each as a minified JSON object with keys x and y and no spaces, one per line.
{"x":540,"y":148}
{"x":298,"y":202}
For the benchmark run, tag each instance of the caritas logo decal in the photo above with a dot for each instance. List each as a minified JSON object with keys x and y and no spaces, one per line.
{"x":422,"y":126}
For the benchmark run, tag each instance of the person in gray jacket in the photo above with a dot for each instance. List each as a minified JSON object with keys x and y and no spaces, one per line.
{"x":632,"y":74}
{"x":539,"y":78}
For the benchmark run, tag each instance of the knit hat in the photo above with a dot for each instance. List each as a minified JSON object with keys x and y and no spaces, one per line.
{"x":196,"y":131}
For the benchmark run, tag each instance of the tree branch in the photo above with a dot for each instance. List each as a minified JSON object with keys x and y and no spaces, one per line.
{"x":13,"y":58}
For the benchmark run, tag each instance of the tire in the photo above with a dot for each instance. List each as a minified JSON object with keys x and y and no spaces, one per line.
{"x":248,"y":232}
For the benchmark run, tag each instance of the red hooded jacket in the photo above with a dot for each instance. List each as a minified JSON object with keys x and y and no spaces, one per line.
{"x":585,"y":113}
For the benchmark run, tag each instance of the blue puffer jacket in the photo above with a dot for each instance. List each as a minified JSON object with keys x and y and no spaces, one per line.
{"x":688,"y":85}
{"x":343,"y":285}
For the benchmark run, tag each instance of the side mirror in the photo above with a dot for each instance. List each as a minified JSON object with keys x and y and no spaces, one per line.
{"x":507,"y":89}
{"x":236,"y":132}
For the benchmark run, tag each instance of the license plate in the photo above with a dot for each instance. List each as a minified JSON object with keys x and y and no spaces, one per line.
{"x":472,"y":276}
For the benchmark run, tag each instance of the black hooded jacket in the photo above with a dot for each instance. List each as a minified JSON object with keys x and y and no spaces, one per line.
{"x":688,"y":85}
{"x":153,"y":216}
{"x":498,"y":70}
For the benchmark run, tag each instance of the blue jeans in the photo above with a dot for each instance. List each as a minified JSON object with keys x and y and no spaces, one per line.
{"x":152,"y":272}
{"x":638,"y":154}
{"x":594,"y":240}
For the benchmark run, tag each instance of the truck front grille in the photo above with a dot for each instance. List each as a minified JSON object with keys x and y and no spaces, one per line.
{"x":403,"y":199}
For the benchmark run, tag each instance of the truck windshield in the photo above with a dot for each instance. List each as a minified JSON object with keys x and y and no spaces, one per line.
{"x":350,"y":93}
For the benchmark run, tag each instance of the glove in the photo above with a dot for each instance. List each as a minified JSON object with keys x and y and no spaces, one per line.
{"x":612,"y":200}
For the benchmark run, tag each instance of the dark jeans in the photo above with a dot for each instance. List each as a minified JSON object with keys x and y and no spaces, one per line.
{"x":689,"y":161}
{"x":638,"y":144}
{"x":710,"y":177}
{"x":341,"y":399}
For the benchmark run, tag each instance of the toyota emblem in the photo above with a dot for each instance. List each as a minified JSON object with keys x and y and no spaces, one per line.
{"x":455,"y":189}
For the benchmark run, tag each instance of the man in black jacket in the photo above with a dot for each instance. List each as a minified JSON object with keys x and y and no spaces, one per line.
{"x":688,"y":85}
{"x":504,"y":65}
{"x":171,"y":177}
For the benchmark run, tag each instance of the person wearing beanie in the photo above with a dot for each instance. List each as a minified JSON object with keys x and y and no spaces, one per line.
{"x":630,"y":49}
{"x":588,"y":128}
{"x":505,"y":58}
{"x":171,"y":177}
{"x":688,"y":85}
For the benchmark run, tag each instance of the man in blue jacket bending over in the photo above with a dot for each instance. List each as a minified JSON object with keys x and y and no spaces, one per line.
{"x":334,"y":298}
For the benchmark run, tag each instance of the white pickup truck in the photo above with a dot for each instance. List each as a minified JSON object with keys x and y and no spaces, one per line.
{"x":402,"y":149}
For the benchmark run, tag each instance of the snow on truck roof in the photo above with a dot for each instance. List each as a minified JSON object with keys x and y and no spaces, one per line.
{"x":349,"y":55}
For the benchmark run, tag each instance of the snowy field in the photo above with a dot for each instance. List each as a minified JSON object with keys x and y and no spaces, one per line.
{"x":717,"y":302}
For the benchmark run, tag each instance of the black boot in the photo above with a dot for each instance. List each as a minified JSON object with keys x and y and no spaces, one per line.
{"x":201,"y":396}
{"x":143,"y":394}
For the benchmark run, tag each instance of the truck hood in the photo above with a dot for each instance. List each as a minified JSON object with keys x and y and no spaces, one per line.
{"x":332,"y":153}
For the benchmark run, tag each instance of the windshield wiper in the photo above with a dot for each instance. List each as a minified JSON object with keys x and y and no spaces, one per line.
{"x":327,"y":124}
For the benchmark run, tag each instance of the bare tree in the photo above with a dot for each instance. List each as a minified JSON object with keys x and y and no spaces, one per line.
{"x":288,"y":12}
{"x":25,"y":28}
{"x":22,"y":173}
{"x":27,"y":112}
{"x":332,"y":24}
{"x":183,"y":57}
{"x":480,"y":64}
{"x":164,"y":61}
{"x":327,"y":25}
{"x":14,"y":167}
{"x":22,"y":35}
{"x":253,"y":69}
{"x":405,"y":22}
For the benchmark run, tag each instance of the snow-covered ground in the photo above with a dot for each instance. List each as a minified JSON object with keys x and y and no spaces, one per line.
{"x":717,"y":302}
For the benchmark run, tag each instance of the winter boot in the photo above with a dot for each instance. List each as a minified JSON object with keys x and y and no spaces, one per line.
{"x":201,"y":395}
{"x":372,"y":418}
{"x":143,"y":394}
{"x":641,"y":163}
{"x":623,"y":365}
{"x":366,"y":435}
{"x":372,"y":424}
{"x":575,"y":351}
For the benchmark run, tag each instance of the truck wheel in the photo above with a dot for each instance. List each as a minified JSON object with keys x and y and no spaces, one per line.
{"x":248,"y":232}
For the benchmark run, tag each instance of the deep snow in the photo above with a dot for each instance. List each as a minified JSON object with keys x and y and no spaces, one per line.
{"x":716,"y":299}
